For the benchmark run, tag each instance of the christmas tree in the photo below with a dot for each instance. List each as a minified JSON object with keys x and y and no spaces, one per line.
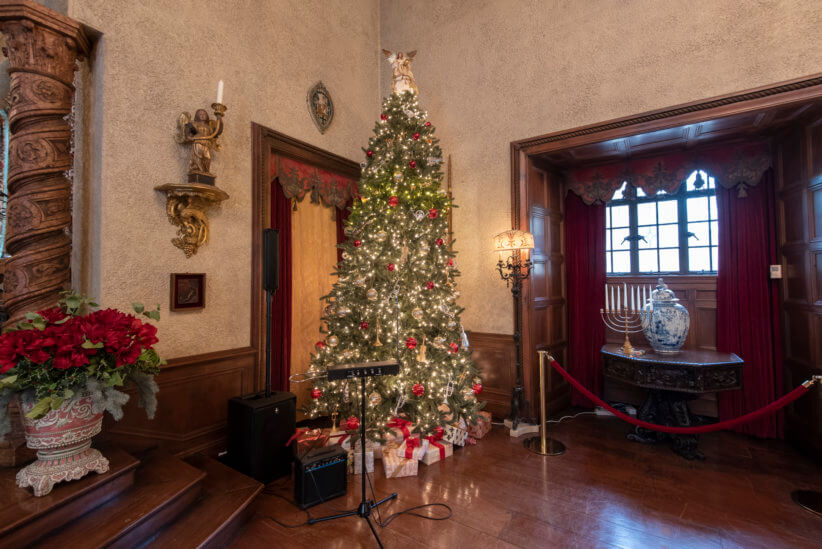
{"x":395,"y":295}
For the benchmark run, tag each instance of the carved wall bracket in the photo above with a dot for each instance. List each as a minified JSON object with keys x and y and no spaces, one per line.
{"x":186,"y":206}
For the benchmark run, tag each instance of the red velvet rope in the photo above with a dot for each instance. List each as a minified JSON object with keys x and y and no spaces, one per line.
{"x":770,"y":408}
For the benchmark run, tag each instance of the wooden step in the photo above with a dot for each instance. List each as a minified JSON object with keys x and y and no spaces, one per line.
{"x":224,"y":507}
{"x":164,"y":487}
{"x":25,"y":518}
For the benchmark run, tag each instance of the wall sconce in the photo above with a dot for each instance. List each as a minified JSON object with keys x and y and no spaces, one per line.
{"x":514,"y":271}
{"x":187,"y":203}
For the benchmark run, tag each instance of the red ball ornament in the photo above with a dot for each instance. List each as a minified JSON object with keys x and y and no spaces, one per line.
{"x":454,"y":347}
{"x":369,"y":153}
{"x":439,"y":431}
{"x":433,"y":213}
{"x":477,"y":388}
{"x":363,"y":325}
{"x":393,"y":201}
{"x":418,"y":389}
{"x":416,"y":136}
{"x":450,"y":261}
{"x":316,"y":393}
{"x":320,"y":345}
{"x":352,"y":423}
{"x":427,"y":124}
{"x":440,"y":241}
{"x":411,"y":343}
{"x":429,"y":285}
{"x":413,"y":163}
{"x":383,"y":116}
{"x":357,"y":243}
{"x":390,"y":267}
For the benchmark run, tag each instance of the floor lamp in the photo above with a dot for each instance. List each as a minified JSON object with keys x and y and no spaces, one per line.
{"x":514,"y":271}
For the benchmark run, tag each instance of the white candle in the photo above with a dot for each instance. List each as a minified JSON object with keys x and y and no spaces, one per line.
{"x":618,"y":301}
{"x":606,"y":297}
{"x":612,"y":298}
{"x":625,"y":295}
{"x":220,"y":92}
{"x":633,"y":301}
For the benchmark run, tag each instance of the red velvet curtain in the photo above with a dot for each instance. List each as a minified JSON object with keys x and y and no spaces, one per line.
{"x":748,"y":303}
{"x":585,"y":269}
{"x":281,"y":306}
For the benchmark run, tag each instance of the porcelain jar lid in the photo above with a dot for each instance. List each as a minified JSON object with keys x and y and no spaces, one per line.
{"x":663,"y":293}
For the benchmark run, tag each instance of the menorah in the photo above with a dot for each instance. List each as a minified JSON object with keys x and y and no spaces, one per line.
{"x":624,"y":311}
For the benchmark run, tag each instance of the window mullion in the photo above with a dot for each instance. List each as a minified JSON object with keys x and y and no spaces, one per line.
{"x":634,"y":231}
{"x":682,"y":219}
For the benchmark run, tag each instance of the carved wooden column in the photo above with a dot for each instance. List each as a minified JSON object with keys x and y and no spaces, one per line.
{"x":43,"y":47}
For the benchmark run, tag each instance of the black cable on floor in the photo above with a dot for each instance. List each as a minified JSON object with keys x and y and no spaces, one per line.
{"x":410,"y":511}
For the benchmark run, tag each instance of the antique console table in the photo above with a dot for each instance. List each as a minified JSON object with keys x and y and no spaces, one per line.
{"x":672,"y":380}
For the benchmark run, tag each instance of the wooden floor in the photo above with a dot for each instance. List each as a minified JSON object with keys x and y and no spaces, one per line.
{"x":603,"y":492}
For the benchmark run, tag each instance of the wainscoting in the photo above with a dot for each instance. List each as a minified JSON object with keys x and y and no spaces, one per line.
{"x":193,"y":404}
{"x":495,"y":356}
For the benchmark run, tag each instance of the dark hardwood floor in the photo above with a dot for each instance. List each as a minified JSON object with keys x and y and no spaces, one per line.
{"x":603,"y":492}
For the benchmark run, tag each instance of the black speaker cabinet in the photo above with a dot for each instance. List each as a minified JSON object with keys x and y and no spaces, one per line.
{"x":271,"y":260}
{"x":320,"y":475}
{"x":258,"y":428}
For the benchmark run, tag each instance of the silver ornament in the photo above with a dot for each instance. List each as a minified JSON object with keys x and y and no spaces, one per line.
{"x":419,"y":215}
{"x":371,"y":294}
{"x":451,"y":324}
{"x":359,"y":281}
{"x":439,"y":341}
{"x":374,"y":398}
{"x":397,"y":176}
{"x":333,"y":341}
{"x":381,"y":236}
{"x":445,"y":308}
{"x":342,"y":311}
{"x":417,"y":313}
{"x":348,"y":231}
{"x":346,"y":256}
{"x":434,"y":160}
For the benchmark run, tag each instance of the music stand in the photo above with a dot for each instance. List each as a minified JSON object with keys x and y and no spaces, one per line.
{"x":362,"y":371}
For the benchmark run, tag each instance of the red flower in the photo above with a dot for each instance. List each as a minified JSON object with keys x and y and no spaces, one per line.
{"x":383,"y":116}
{"x":477,"y":388}
{"x":319,"y":345}
{"x":390,"y":267}
{"x":429,"y":285}
{"x":363,"y":325}
{"x":316,"y":393}
{"x":433,"y":213}
{"x":454,"y":347}
{"x":352,"y":423}
{"x":369,"y":153}
{"x":52,"y":315}
{"x":440,"y":241}
{"x":411,"y":343}
{"x":418,"y":389}
{"x":413,"y":164}
{"x":357,"y":243}
{"x":416,"y":136}
{"x":393,"y":201}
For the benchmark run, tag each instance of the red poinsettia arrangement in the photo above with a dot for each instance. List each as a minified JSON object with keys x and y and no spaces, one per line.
{"x":60,"y":351}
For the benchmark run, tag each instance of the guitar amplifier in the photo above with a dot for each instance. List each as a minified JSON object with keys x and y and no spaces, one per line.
{"x":258,"y":428}
{"x":320,"y":475}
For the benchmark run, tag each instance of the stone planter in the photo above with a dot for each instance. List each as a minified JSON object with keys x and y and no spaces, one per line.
{"x":62,"y":439}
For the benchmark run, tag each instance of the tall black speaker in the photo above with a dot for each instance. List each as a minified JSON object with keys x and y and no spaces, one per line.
{"x":271,"y":260}
{"x":258,"y":428}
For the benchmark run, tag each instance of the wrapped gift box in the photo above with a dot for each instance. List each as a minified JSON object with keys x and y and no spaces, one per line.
{"x":399,"y":429}
{"x":355,"y":461}
{"x":370,"y":446}
{"x":456,"y":433}
{"x":482,"y":427}
{"x":412,"y":448}
{"x":437,"y":451}
{"x":396,"y":466}
{"x":340,"y":437}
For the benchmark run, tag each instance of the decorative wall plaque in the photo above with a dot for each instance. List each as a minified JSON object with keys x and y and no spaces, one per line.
{"x":320,"y":106}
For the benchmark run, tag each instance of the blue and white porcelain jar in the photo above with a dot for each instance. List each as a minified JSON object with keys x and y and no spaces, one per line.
{"x":664,"y":321}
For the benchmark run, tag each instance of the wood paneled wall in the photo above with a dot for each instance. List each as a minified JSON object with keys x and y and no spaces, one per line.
{"x":193,"y":404}
{"x":698,"y":294}
{"x":799,"y":216}
{"x":495,"y":355}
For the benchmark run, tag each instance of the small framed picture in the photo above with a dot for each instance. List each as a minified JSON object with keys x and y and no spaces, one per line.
{"x":187,"y":291}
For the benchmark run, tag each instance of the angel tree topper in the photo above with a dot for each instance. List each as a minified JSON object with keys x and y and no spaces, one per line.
{"x":402,"y":79}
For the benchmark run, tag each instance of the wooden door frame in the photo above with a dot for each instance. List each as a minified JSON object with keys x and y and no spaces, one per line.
{"x":525,"y":151}
{"x":264,"y":142}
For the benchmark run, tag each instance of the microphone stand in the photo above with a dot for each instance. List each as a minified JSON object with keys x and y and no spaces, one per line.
{"x":269,"y":298}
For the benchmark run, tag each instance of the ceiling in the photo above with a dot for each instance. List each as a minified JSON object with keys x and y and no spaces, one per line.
{"x":731,"y":128}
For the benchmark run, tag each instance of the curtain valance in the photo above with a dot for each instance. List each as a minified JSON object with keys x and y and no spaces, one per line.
{"x":299,"y":179}
{"x":734,"y":166}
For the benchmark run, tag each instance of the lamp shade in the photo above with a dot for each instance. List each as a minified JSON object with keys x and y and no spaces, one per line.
{"x":513,"y":240}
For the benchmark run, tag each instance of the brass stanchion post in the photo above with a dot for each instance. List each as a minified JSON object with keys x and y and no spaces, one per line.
{"x":543,"y":445}
{"x":810,"y":500}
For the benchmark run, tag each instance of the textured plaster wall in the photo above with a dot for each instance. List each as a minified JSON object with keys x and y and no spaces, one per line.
{"x":157,"y":58}
{"x":491,"y":72}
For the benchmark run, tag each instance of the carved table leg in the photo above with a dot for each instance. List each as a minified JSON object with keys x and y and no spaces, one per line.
{"x":671,"y":409}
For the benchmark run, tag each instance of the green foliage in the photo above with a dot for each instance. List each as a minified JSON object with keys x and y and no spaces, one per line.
{"x":395,"y":295}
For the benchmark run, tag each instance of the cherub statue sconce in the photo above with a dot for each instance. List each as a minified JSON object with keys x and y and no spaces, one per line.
{"x":186,"y":203}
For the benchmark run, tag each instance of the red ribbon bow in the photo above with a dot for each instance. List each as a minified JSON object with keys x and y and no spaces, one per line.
{"x":434,"y":440}
{"x":402,"y":425}
{"x":410,"y":444}
{"x":296,"y":435}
